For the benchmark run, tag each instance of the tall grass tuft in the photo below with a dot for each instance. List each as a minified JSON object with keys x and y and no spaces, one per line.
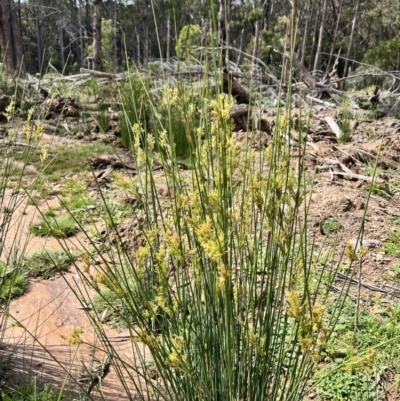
{"x":221,"y":296}
{"x":136,"y":107}
{"x":178,"y":113}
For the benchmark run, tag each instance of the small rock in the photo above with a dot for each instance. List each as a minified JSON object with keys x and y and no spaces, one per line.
{"x":367,"y":243}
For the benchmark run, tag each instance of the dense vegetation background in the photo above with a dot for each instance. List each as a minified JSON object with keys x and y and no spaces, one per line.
{"x":61,"y":31}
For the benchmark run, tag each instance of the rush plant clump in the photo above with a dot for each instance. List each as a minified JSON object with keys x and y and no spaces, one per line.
{"x":221,"y":290}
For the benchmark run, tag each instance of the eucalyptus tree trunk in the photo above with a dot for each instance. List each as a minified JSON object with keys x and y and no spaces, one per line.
{"x":305,"y":33}
{"x":353,"y":27}
{"x":61,"y":37}
{"x":81,"y":48}
{"x":290,"y":41}
{"x":97,"y":17}
{"x":314,"y":35}
{"x":36,"y":13}
{"x":256,"y":39}
{"x":137,"y":46}
{"x":115,"y":36}
{"x":337,"y":17}
{"x":222,"y":31}
{"x":240,"y":52}
{"x":321,"y":36}
{"x":146,"y":45}
{"x":10,"y":38}
{"x":168,"y":37}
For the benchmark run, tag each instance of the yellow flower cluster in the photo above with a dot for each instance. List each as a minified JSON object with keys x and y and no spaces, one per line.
{"x":176,"y":358}
{"x":32,"y":131}
{"x":311,"y":318}
{"x":144,"y":337}
{"x":75,"y":336}
{"x":255,"y":340}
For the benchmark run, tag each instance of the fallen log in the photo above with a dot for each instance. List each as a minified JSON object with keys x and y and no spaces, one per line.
{"x":231,"y":86}
{"x":98,"y":73}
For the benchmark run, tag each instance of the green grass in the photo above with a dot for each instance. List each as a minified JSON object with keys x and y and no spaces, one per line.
{"x":330,"y":225}
{"x":81,"y":202}
{"x":31,"y":390}
{"x":13,"y":286}
{"x":352,"y":359}
{"x":50,"y":212}
{"x":350,"y":386}
{"x":392,"y":246}
{"x":60,"y":227}
{"x":68,"y":159}
{"x":46,"y":263}
{"x":110,"y":307}
{"x":394,"y":219}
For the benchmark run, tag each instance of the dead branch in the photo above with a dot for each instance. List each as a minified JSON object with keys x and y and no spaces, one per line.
{"x":231,"y":86}
{"x":351,"y":176}
{"x":98,"y":73}
{"x":368,"y":65}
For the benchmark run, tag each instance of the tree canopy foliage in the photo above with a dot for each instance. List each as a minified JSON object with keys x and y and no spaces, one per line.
{"x":61,"y":32}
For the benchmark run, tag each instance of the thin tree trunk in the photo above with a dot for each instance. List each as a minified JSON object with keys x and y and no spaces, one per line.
{"x":138,"y":46}
{"x":36,"y":10}
{"x":88,"y":21}
{"x":222,"y":33}
{"x":168,"y":37}
{"x":335,"y":34}
{"x":10,"y":38}
{"x":240,"y":52}
{"x":115,"y":31}
{"x":313,"y":41}
{"x":146,"y":45}
{"x":97,"y":17}
{"x":290,"y":38}
{"x":61,"y":22}
{"x":305,"y":34}
{"x":81,"y":48}
{"x":321,"y":36}
{"x":256,"y":39}
{"x":353,"y":27}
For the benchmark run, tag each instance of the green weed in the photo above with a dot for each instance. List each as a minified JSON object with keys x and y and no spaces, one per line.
{"x":136,"y":109}
{"x":31,"y":390}
{"x":350,"y":386}
{"x":394,"y":219}
{"x":50,"y":212}
{"x":59,"y":227}
{"x":330,"y":225}
{"x":46,"y":263}
{"x":345,"y":122}
{"x":392,"y":246}
{"x":13,"y":285}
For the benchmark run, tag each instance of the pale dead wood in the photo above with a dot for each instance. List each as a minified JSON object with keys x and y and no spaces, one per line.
{"x":98,"y":73}
{"x":334,"y":127}
{"x":395,"y":291}
{"x":351,"y":176}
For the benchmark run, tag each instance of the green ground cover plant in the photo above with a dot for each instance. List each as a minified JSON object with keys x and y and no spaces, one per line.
{"x":60,"y":227}
{"x":355,"y":359}
{"x":32,"y":390}
{"x":15,"y":283}
{"x":392,"y":245}
{"x":46,"y":263}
